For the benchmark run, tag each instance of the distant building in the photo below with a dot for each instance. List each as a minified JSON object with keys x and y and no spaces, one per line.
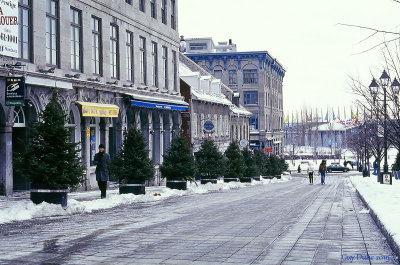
{"x":256,"y":76}
{"x":210,"y":102}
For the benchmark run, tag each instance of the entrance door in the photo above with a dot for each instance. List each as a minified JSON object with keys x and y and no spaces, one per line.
{"x":19,"y":142}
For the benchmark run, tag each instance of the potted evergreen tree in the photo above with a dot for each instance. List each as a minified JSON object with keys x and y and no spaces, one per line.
{"x":251,"y":167}
{"x":235,"y":165}
{"x":178,"y":166}
{"x":274,"y":169}
{"x":51,"y":161}
{"x":210,"y":162}
{"x":132,"y":166}
{"x":261,"y":162}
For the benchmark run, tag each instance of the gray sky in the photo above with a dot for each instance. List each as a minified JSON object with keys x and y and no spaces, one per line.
{"x":304,"y":36}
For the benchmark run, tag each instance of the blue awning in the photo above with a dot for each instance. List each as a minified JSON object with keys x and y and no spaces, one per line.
{"x":158,"y":105}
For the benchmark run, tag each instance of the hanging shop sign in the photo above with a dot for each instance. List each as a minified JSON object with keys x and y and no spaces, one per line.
{"x":243,"y":143}
{"x":9,"y":28}
{"x":90,"y":109}
{"x":208,"y":125}
{"x":268,"y":150}
{"x":15,"y":91}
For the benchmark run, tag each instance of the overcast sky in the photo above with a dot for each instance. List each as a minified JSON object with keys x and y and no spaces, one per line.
{"x":318,"y":54}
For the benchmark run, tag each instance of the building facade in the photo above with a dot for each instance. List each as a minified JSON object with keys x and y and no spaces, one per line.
{"x":256,"y":76}
{"x":210,"y":101}
{"x":114,"y":65}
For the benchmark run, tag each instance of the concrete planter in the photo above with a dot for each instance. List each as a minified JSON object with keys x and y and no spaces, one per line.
{"x":132,"y":186}
{"x":208,"y":180}
{"x":176,"y":184}
{"x":50,"y":196}
{"x":245,"y":179}
{"x":227,"y":180}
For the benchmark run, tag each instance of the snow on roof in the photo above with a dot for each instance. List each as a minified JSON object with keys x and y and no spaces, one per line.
{"x":240,"y":110}
{"x":333,"y":126}
{"x":211,"y":98}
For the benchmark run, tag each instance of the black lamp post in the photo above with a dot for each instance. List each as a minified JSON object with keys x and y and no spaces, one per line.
{"x":374,"y":86}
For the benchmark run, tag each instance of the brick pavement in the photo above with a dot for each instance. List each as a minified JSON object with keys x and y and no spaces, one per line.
{"x":285,"y":223}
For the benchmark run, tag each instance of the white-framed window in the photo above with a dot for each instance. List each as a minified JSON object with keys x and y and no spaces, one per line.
{"x":221,"y":123}
{"x":194,"y":125}
{"x":19,"y":117}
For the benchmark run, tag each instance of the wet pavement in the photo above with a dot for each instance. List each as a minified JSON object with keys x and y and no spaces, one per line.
{"x":282,"y":223}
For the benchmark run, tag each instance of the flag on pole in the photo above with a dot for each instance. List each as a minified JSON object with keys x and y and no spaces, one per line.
{"x":333,"y":115}
{"x":326,"y":116}
{"x":287,"y":119}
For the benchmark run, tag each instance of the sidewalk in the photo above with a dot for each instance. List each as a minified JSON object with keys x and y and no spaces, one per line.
{"x":384,"y":206}
{"x":19,"y":207}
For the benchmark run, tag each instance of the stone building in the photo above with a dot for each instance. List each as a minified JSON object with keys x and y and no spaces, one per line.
{"x":210,"y":101}
{"x":256,"y":76}
{"x":114,"y":64}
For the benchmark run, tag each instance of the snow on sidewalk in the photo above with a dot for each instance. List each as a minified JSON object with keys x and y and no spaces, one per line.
{"x":18,"y":209}
{"x":384,"y":200}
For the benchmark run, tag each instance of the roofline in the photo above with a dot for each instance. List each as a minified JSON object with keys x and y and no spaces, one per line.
{"x":236,"y":53}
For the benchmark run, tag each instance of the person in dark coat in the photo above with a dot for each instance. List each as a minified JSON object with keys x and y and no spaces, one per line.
{"x":101,"y":160}
{"x":322,"y":171}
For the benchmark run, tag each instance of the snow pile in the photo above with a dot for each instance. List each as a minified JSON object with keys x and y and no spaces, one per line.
{"x":87,"y":202}
{"x":383,"y":200}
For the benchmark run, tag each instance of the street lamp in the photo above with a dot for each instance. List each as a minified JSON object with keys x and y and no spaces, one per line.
{"x":374,"y":86}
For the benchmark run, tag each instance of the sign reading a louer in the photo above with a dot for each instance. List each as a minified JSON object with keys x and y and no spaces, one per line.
{"x":9,"y":28}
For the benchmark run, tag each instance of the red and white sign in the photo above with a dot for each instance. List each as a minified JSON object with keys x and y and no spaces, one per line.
{"x":268,"y":150}
{"x":386,"y":178}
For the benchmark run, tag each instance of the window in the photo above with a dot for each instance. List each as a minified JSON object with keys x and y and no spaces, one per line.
{"x":232,"y":77}
{"x":52,"y":34}
{"x":71,"y":126}
{"x":128,"y":2}
{"x":218,"y":74}
{"x":197,"y":46}
{"x":154,"y":55}
{"x":165,"y":66}
{"x":194,"y":126}
{"x":97,"y":58}
{"x":153,"y":11}
{"x":173,"y":22}
{"x":143,"y":60}
{"x":129,"y":56}
{"x":114,"y":53}
{"x":141,"y":5}
{"x":175,"y":65}
{"x":164,"y":11}
{"x":76,"y":45}
{"x":250,"y":77}
{"x":25,"y":29}
{"x":250,"y":97}
{"x":254,"y":122}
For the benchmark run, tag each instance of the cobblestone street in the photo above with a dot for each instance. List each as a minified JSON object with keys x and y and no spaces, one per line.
{"x":284,"y":223}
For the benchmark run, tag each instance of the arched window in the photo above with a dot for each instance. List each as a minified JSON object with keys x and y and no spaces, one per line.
{"x":19,"y":117}
{"x":71,"y":126}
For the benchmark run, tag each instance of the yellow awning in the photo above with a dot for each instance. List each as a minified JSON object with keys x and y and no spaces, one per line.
{"x":90,"y":109}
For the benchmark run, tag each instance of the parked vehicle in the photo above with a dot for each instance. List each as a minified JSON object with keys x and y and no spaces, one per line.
{"x":337,"y":168}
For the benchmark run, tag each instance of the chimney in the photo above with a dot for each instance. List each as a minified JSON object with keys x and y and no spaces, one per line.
{"x":230,"y":41}
{"x":235,"y":99}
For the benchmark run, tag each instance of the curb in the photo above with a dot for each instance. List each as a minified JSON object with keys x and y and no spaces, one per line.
{"x":392,"y":243}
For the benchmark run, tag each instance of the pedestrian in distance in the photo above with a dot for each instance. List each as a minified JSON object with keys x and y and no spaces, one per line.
{"x":322,"y":171}
{"x":299,"y":169}
{"x":375,"y":168}
{"x":310,"y":171}
{"x":102,"y":160}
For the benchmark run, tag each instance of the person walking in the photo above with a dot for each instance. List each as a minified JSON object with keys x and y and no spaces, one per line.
{"x":101,"y":160}
{"x":310,"y":171}
{"x":375,"y":168}
{"x":322,"y":171}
